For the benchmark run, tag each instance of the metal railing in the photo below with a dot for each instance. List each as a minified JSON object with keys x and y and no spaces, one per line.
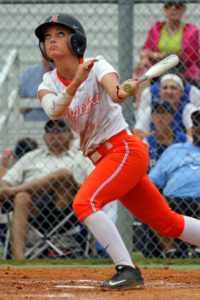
{"x":9,"y":105}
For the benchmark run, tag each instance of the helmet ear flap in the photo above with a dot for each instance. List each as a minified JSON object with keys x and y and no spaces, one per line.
{"x":77,"y":43}
{"x":43,"y":50}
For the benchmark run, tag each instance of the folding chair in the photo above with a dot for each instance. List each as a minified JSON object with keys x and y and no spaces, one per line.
{"x":60,"y":243}
{"x":59,"y":239}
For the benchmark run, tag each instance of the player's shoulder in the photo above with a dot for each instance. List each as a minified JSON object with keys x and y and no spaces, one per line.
{"x":49,"y":76}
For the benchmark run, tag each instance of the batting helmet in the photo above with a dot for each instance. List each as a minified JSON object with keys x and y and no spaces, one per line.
{"x":76,"y":40}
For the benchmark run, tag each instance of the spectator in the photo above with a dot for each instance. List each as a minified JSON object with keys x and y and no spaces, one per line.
{"x":158,"y":141}
{"x":29,"y":83}
{"x":164,"y":135}
{"x":173,"y":36}
{"x":171,"y":88}
{"x":177,"y":174}
{"x":8,"y":158}
{"x":22,"y":146}
{"x":43,"y":182}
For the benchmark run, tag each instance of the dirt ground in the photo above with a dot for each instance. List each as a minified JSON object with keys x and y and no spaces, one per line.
{"x":83,"y":284}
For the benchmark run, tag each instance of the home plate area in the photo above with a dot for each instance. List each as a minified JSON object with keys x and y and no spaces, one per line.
{"x":81,"y":283}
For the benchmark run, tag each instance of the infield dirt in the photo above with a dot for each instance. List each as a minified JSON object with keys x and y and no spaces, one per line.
{"x":83,"y":283}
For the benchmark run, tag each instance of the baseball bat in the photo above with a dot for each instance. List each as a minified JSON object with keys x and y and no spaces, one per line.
{"x":156,"y":70}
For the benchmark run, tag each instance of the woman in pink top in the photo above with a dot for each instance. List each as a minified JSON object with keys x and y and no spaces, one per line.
{"x":162,"y":35}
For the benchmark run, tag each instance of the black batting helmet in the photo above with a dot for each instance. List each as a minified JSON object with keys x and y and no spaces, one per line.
{"x":77,"y":39}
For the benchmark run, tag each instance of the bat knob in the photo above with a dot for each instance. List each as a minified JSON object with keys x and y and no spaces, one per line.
{"x":128,"y":88}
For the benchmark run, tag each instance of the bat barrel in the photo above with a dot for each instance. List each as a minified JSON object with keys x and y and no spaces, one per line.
{"x":143,"y":78}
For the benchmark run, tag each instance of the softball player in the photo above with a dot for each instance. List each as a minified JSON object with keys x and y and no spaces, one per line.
{"x":87,"y":93}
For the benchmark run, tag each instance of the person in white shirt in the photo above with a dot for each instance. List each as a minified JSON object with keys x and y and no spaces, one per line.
{"x":42,"y":179}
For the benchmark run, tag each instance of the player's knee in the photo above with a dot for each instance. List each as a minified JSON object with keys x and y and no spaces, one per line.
{"x":172,"y":227}
{"x":82,"y":208}
{"x":75,"y":207}
{"x":166,"y":231}
{"x":79,"y":208}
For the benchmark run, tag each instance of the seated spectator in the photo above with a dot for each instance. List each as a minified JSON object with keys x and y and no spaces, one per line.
{"x":42,"y":184}
{"x":184,"y":99}
{"x":177,"y":174}
{"x":164,"y":135}
{"x":8,"y":158}
{"x":28,"y":88}
{"x":22,"y":146}
{"x":172,"y":36}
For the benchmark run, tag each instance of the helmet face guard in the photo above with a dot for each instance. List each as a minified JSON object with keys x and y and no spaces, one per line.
{"x":76,"y":40}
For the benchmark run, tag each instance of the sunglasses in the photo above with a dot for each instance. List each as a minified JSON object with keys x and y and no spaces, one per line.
{"x":171,"y":87}
{"x":176,"y":5}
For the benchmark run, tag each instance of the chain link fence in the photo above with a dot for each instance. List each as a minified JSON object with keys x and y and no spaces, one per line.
{"x":117,"y":30}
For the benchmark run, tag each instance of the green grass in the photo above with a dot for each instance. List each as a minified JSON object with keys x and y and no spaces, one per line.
{"x":137,"y":259}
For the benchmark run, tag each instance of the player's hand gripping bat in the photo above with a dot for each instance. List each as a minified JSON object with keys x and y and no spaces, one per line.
{"x":158,"y":69}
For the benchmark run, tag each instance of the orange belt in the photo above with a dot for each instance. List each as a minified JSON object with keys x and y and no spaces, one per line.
{"x":109,"y":144}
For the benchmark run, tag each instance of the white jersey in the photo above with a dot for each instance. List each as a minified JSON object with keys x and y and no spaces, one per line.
{"x":92,"y":113}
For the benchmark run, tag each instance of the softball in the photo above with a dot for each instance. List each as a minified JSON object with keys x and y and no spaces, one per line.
{"x":128,"y":87}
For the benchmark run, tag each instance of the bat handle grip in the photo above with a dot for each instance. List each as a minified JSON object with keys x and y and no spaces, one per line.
{"x":143,"y":78}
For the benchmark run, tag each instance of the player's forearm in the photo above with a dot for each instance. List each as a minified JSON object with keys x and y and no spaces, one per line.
{"x":56,"y":105}
{"x":116,"y":90}
{"x":122,"y":93}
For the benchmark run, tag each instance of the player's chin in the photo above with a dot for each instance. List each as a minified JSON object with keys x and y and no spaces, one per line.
{"x":53,"y":54}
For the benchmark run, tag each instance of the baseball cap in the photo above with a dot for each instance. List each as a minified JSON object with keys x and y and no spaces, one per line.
{"x":164,"y":104}
{"x":195,"y":116}
{"x":59,"y":124}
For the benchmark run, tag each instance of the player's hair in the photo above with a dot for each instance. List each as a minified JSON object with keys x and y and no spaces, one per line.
{"x":77,"y":39}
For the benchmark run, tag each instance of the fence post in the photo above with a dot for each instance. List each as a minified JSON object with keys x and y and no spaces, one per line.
{"x":125,"y":23}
